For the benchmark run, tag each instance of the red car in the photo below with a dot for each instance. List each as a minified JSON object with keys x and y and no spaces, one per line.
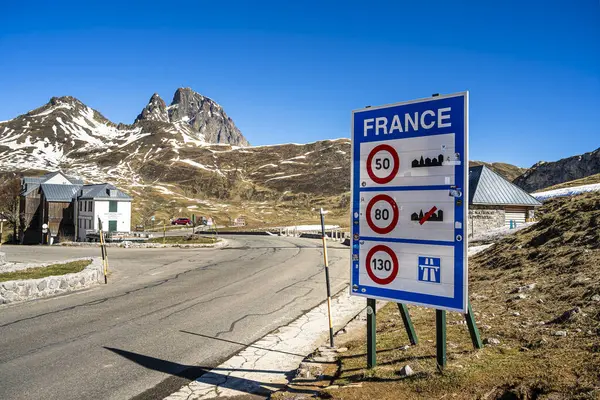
{"x":181,"y":221}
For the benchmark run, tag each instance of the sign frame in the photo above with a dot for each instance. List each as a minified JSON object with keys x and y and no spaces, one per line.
{"x":459,"y":302}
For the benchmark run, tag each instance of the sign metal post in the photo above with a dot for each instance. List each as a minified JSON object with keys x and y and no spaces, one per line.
{"x":408,"y":325}
{"x":371,"y":333}
{"x":409,"y":210}
{"x":440,"y":338}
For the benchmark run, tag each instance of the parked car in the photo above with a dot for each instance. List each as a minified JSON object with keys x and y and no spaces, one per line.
{"x":181,"y":221}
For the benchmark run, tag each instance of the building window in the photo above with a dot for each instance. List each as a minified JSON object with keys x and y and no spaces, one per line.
{"x":112,"y":206}
{"x":80,"y":206}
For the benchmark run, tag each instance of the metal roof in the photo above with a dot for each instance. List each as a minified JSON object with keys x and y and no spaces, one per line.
{"x":62,"y":193}
{"x":102,"y":192}
{"x":487,"y":187}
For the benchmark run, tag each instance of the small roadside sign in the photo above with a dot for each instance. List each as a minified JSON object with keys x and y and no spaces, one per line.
{"x":409,"y":174}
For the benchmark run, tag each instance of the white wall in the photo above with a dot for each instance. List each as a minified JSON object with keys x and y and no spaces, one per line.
{"x":59,"y":179}
{"x":122,"y":216}
{"x":100,"y":210}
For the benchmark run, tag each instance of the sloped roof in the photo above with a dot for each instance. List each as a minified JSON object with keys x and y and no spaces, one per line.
{"x":487,"y":187}
{"x":62,"y":193}
{"x":101,"y":191}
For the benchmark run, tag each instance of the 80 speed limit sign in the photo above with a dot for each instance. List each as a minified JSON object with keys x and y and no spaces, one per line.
{"x":382,"y":214}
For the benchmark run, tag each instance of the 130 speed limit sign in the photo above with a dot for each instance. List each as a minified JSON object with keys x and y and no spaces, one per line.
{"x":381,"y":264}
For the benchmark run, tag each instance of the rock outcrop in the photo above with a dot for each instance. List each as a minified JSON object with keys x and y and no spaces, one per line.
{"x":156,"y":110}
{"x":206,"y":117}
{"x":545,"y":174}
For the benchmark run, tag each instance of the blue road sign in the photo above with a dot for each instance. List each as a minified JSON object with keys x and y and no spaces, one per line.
{"x":429,"y":269}
{"x":409,"y":202}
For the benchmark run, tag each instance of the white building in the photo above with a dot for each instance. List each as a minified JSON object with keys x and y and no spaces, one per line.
{"x":104,"y":202}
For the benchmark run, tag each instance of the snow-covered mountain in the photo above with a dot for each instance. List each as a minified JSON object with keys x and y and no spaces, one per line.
{"x":184,"y":152}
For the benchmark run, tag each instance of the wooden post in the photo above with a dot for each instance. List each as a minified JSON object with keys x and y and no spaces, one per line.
{"x":326,"y":263}
{"x":371,"y":333}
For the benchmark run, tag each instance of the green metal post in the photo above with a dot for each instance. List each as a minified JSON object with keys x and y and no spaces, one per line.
{"x":371,"y":333}
{"x":408,"y":325}
{"x":440,"y":337}
{"x":473,"y":331}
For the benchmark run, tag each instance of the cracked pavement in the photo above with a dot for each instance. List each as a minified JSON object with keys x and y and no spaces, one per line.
{"x":269,"y":363}
{"x":167,"y":317}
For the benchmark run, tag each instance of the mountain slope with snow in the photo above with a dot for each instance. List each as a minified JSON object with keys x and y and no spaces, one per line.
{"x":167,"y":157}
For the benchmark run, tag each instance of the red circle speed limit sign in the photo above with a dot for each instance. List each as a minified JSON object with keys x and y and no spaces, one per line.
{"x":382,"y":214}
{"x":383,"y":163}
{"x":382,"y":264}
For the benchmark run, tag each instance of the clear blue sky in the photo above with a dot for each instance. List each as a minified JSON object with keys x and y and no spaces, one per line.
{"x":293,"y":71}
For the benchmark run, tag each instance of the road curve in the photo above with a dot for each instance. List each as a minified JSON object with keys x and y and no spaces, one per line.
{"x":166,"y":316}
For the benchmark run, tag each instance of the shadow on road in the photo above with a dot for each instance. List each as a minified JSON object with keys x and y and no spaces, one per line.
{"x":241,"y":344}
{"x":204,"y":374}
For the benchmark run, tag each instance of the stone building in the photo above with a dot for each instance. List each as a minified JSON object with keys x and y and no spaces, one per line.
{"x":495,"y":202}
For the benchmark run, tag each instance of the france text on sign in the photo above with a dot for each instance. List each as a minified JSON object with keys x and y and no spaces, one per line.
{"x":409,"y":180}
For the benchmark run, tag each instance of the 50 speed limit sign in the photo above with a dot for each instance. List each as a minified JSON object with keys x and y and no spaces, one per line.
{"x":383,"y":163}
{"x":409,"y":202}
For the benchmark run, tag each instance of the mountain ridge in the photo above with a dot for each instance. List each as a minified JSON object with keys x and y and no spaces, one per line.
{"x":545,"y":174}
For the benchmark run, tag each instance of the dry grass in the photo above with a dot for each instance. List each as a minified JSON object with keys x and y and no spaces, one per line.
{"x":195,"y":239}
{"x":561,"y":255}
{"x":50,"y":270}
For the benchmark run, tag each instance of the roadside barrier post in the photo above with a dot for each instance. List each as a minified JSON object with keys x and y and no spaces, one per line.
{"x":164,"y":232}
{"x":103,"y":251}
{"x":327,"y":276}
{"x":371,"y":333}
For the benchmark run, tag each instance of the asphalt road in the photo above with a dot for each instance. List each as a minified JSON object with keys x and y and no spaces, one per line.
{"x":165,"y":317}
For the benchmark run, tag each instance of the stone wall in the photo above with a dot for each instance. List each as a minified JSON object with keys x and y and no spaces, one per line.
{"x":29,"y":289}
{"x":483,"y":218}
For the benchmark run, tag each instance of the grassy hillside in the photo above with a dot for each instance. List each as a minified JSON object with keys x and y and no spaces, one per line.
{"x":536,"y":292}
{"x":508,"y":171}
{"x":588,"y":180}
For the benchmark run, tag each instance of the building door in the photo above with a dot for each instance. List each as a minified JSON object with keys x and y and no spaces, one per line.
{"x":516,"y":215}
{"x":112,"y":226}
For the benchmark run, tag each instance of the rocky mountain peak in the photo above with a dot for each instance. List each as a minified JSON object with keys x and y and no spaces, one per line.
{"x":156,"y":110}
{"x":205,"y":116}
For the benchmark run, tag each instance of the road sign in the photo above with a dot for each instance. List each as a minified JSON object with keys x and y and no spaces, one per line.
{"x":409,"y":173}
